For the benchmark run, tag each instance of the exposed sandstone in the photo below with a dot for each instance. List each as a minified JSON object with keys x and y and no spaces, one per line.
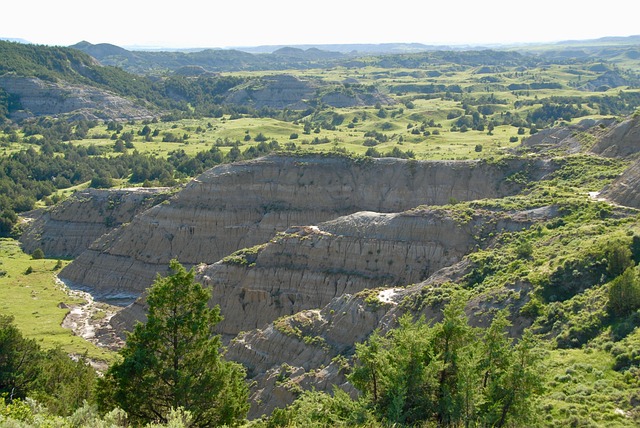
{"x":38,"y":98}
{"x":244,"y":204}
{"x":68,"y":228}
{"x":566,"y":137}
{"x":283,"y":357}
{"x":625,"y":190}
{"x":308,"y":350}
{"x":620,"y":140}
{"x":307,"y":267}
{"x":605,"y":137}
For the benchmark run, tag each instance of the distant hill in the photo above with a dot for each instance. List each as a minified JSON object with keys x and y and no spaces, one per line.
{"x":301,"y":57}
{"x":37,"y":80}
{"x":53,"y":80}
{"x":213,"y":60}
{"x":9,"y":39}
{"x":628,"y":40}
{"x":358,"y":48}
{"x":287,"y":57}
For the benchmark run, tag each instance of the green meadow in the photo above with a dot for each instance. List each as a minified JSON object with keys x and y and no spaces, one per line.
{"x":38,"y":302}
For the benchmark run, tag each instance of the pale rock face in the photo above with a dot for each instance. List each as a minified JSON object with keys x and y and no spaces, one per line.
{"x":307,"y":350}
{"x":605,"y":137}
{"x":240,"y":205}
{"x":38,"y":97}
{"x":625,"y":190}
{"x":279,"y":361}
{"x":68,"y":228}
{"x":307,"y":267}
{"x":328,"y":251}
{"x":620,"y":140}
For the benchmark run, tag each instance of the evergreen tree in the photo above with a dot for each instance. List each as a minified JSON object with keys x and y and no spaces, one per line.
{"x":19,"y":360}
{"x":449,"y":373}
{"x":624,"y":293}
{"x":173,"y":360}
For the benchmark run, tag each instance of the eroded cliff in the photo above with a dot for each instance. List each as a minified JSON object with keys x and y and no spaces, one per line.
{"x":241,"y":205}
{"x":311,"y":350}
{"x":68,"y":228}
{"x":306,"y":267}
{"x":38,"y":97}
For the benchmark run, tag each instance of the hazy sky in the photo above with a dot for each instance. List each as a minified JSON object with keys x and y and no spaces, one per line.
{"x":233,"y":23}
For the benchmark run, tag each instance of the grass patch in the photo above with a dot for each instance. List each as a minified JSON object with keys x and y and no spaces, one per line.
{"x":38,"y":303}
{"x":584,"y":390}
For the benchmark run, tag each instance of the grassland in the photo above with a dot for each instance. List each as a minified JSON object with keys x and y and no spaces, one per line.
{"x":408,"y":109}
{"x":38,"y":302}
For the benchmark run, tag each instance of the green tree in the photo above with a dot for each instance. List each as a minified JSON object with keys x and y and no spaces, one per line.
{"x":619,"y":258}
{"x":449,"y":373}
{"x":50,"y":377}
{"x":454,"y":340}
{"x":624,"y":293}
{"x":19,"y":360}
{"x":37,"y":254}
{"x":173,"y":360}
{"x":64,"y":385}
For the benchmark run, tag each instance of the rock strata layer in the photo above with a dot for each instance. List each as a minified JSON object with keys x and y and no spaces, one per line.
{"x":241,"y":205}
{"x":43,"y":98}
{"x":625,"y":190}
{"x":69,"y":228}
{"x":307,"y":267}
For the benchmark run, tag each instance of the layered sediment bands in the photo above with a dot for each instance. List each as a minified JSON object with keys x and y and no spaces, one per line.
{"x":311,"y":349}
{"x":69,"y":227}
{"x":39,"y":97}
{"x":300,"y":351}
{"x":240,"y":205}
{"x":306,"y":267}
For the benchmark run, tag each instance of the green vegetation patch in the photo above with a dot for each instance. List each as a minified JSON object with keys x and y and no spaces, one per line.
{"x":38,"y":303}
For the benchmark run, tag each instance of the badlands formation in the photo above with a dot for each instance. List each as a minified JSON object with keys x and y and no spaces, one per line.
{"x":291,"y":247}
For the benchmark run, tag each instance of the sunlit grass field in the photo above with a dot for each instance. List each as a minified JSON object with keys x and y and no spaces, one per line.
{"x":38,"y":302}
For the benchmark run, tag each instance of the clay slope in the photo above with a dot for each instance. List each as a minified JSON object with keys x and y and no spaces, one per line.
{"x":606,"y":137}
{"x":306,"y":267}
{"x":620,"y":140}
{"x":625,"y":190}
{"x":308,"y":350}
{"x":566,"y":138}
{"x":38,"y":97}
{"x":244,"y":204}
{"x":68,"y":228}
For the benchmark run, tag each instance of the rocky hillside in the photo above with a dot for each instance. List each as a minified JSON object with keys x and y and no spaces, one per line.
{"x":626,"y":189}
{"x":607,"y":138}
{"x":43,"y":80}
{"x":38,"y":97}
{"x":352,"y":295}
{"x":310,"y":349}
{"x":620,"y":140}
{"x":287,"y":91}
{"x":67,"y":229}
{"x":308,"y":255}
{"x":241,"y":205}
{"x":306,"y":267}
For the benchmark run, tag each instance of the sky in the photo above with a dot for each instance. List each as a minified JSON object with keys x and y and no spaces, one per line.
{"x":245,"y":23}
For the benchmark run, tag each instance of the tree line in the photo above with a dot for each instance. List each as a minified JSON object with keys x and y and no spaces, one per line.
{"x":32,"y":175}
